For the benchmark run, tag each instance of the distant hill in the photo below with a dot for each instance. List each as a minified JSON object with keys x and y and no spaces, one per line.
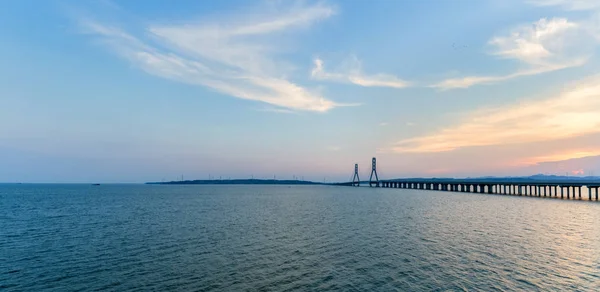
{"x":543,"y":177}
{"x":237,"y":182}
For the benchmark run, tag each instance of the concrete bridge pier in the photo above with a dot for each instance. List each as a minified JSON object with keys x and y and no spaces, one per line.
{"x":570,"y":191}
{"x":533,"y":190}
{"x":545,"y":190}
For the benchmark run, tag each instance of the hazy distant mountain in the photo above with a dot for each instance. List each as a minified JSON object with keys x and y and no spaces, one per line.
{"x":543,"y":177}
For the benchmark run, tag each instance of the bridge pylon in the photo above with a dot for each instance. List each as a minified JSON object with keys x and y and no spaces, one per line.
{"x":374,"y":172}
{"x":356,"y":178}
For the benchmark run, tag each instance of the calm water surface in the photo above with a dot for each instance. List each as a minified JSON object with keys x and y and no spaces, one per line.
{"x":299,"y":238}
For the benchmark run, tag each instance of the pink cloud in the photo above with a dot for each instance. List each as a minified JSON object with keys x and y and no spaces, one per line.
{"x":577,"y":172}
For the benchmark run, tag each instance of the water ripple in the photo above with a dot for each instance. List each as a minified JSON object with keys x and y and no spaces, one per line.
{"x":272,"y":238}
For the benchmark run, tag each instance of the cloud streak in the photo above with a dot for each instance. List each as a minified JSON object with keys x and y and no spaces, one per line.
{"x":561,"y":156}
{"x":575,"y":112}
{"x":545,"y":46}
{"x":237,"y":56}
{"x":353,"y":74}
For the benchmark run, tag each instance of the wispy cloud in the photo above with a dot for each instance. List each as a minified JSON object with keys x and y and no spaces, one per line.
{"x":383,"y":124}
{"x":236,"y":55}
{"x":466,"y":82}
{"x":569,"y":4}
{"x":561,"y":156}
{"x":352,"y":73}
{"x":277,"y":110}
{"x":544,"y":46}
{"x":574,"y":112}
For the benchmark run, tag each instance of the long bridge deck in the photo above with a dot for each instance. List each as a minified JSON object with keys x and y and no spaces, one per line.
{"x":520,"y":187}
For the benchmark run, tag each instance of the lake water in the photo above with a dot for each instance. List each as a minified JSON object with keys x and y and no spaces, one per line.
{"x":298,"y":238}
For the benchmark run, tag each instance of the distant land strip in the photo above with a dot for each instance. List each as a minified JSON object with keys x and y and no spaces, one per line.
{"x":237,"y":182}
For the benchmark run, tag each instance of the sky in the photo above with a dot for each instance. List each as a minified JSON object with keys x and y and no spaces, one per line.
{"x":136,"y":91}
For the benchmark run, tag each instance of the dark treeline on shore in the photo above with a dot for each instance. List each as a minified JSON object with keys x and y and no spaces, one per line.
{"x":238,"y":182}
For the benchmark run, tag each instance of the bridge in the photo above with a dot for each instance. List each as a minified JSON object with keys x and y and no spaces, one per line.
{"x":505,"y":186}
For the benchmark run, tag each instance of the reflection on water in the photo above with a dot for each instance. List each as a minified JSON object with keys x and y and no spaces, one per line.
{"x":233,"y":238}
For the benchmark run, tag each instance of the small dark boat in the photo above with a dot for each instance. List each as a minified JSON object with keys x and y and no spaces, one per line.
{"x":95,"y":184}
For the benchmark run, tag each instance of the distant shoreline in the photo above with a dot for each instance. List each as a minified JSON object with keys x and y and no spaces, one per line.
{"x":237,"y":182}
{"x":533,"y":178}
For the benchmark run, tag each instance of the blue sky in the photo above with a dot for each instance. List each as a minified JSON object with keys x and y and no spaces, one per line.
{"x":137,"y":91}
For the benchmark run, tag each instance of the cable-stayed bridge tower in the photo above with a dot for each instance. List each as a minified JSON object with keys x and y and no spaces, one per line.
{"x":356,"y":178}
{"x":374,"y":172}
